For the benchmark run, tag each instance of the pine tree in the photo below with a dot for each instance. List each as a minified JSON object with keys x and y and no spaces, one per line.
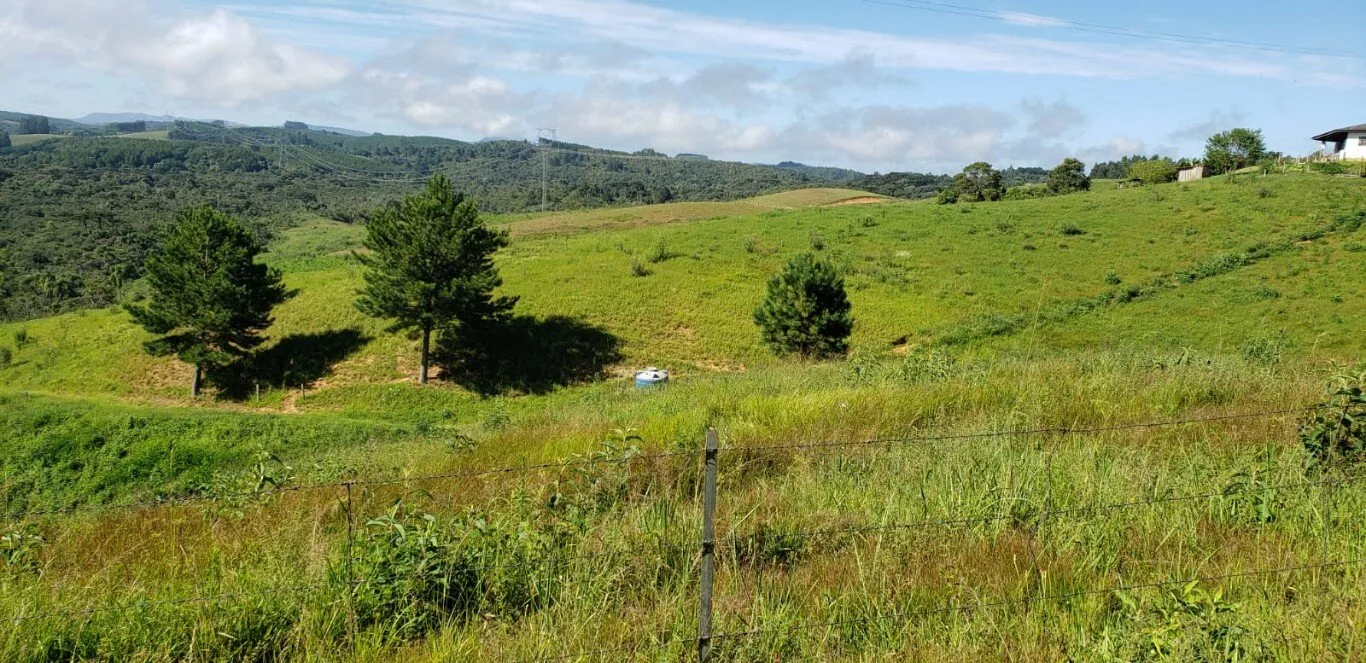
{"x":210,"y":297}
{"x":430,"y":265}
{"x":806,"y":311}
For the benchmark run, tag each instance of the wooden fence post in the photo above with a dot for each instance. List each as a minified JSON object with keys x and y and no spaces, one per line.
{"x":708,"y":547}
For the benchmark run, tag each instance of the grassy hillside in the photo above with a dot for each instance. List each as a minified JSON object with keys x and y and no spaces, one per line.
{"x":78,"y":212}
{"x":1211,"y":302}
{"x":919,"y":275}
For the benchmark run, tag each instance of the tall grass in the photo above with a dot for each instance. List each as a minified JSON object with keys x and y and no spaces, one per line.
{"x":603,"y":554}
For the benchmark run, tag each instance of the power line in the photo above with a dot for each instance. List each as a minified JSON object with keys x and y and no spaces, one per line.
{"x":1096,"y":28}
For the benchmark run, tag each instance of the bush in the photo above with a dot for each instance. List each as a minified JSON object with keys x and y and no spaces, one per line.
{"x":1026,"y":192}
{"x":750,"y":244}
{"x":1071,"y":229}
{"x":1336,"y":432}
{"x":817,"y":241}
{"x":806,"y":311}
{"x":659,"y":252}
{"x":1330,"y":167}
{"x":1153,"y":172}
{"x":412,"y":570}
{"x":638,"y":268}
{"x":5,"y":357}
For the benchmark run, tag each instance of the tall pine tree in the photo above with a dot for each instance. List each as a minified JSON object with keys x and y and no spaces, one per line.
{"x":430,"y":265}
{"x":806,"y":311}
{"x":210,"y":297}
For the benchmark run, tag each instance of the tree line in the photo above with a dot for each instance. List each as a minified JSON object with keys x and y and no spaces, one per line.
{"x":1225,"y":152}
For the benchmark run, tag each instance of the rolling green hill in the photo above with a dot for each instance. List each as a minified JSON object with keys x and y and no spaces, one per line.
{"x":77,"y":212}
{"x":1110,"y":314}
{"x":1009,"y":274}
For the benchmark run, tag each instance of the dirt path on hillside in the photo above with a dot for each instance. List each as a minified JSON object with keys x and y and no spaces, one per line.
{"x":861,"y":200}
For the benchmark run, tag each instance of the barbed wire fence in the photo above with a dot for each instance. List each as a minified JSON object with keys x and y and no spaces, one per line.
{"x":708,"y":544}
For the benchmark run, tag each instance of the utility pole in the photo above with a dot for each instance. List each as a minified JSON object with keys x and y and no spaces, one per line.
{"x":542,"y":136}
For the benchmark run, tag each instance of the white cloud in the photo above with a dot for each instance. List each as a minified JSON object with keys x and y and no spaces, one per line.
{"x":1032,"y":20}
{"x":1052,"y":120}
{"x":900,"y":135}
{"x":662,"y":30}
{"x":613,"y":116}
{"x":857,"y":69}
{"x":1217,"y":120}
{"x":217,"y":58}
{"x":1115,"y":148}
{"x":472,"y":102}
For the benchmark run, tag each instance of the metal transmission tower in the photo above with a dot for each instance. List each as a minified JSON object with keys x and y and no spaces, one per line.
{"x":544,"y":139}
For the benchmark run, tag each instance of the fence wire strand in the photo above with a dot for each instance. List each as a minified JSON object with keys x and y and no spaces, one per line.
{"x":1021,"y":432}
{"x":983,"y":605}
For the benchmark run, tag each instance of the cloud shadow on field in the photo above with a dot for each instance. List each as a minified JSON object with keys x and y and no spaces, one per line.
{"x":525,"y":354}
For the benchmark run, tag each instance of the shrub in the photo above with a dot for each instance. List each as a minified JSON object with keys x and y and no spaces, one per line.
{"x":817,"y":241}
{"x":1266,"y":350}
{"x":638,"y":268}
{"x":1350,"y":223}
{"x":806,"y":311}
{"x":1336,"y":432}
{"x":21,"y":338}
{"x":1112,"y":278}
{"x":412,"y":570}
{"x":1153,"y":172}
{"x":750,"y":244}
{"x":1026,"y":192}
{"x":1070,"y":229}
{"x":20,"y":547}
{"x":5,"y":357}
{"x":659,"y":252}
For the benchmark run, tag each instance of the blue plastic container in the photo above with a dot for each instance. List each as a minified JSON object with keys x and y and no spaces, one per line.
{"x":651,"y":377}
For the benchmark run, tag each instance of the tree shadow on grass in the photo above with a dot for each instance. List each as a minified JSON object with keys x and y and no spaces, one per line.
{"x":296,"y":360}
{"x":527,"y":355}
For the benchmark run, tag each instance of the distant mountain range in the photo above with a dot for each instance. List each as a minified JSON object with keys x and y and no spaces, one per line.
{"x":101,"y":119}
{"x":96,"y":119}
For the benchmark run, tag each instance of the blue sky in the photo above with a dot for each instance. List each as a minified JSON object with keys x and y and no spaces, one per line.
{"x":886,"y":85}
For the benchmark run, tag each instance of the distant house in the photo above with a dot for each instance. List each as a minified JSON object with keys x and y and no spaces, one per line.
{"x":1344,"y":143}
{"x":1191,"y":174}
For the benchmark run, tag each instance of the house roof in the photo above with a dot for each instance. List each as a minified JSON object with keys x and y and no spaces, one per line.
{"x":1337,"y":134}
